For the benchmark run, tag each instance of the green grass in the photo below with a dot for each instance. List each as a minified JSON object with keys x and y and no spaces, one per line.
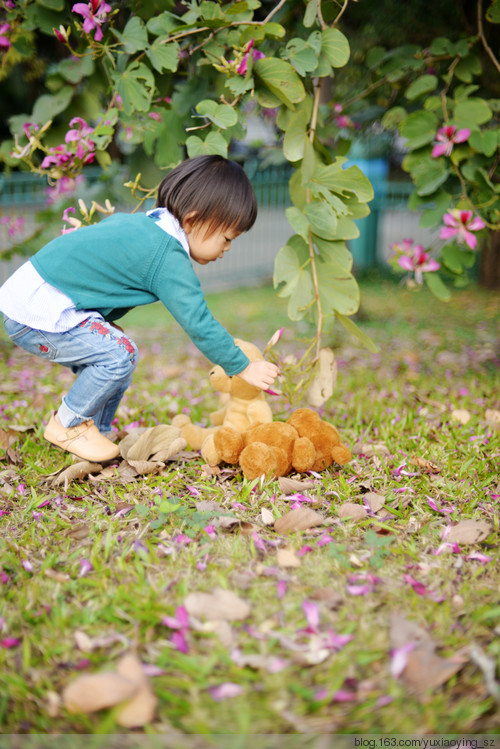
{"x":433,"y":359}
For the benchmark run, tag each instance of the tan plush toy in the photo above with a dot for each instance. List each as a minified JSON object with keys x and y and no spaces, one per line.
{"x":305,"y":442}
{"x":243,"y":405}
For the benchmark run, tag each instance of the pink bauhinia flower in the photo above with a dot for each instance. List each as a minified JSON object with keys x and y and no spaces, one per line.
{"x":461,"y":224}
{"x":4,"y":40}
{"x":95,"y":14}
{"x":414,"y":259}
{"x":243,"y":66}
{"x":447,"y":136}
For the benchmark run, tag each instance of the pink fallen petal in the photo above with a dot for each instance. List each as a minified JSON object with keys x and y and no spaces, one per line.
{"x":479,"y":557}
{"x":27,"y":565}
{"x":85,"y":567}
{"x":178,"y":639}
{"x":399,"y":659}
{"x":342,"y":695}
{"x":304,"y":550}
{"x":311,"y":611}
{"x":258,"y":542}
{"x":281,"y":589}
{"x":10,"y":642}
{"x":359,"y":590}
{"x":333,"y":641}
{"x":225,"y":691}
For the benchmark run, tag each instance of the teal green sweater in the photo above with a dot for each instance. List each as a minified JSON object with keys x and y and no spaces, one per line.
{"x":126,"y":261}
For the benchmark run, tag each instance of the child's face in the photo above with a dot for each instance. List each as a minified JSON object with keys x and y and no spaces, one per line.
{"x":205,"y":248}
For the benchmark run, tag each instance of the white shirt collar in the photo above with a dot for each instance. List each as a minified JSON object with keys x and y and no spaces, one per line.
{"x":166,"y":221}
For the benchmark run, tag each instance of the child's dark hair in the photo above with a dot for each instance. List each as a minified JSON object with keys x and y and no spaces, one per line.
{"x":217,"y":190}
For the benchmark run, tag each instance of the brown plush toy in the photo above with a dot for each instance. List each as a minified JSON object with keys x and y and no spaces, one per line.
{"x":305,"y":442}
{"x":243,"y":405}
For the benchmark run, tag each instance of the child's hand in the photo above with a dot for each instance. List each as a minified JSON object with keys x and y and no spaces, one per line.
{"x":260,"y":374}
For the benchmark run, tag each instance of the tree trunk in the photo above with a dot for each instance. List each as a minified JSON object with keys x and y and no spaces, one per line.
{"x":489,"y":269}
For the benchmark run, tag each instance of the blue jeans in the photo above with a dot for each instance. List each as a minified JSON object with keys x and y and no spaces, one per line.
{"x":102,"y":358}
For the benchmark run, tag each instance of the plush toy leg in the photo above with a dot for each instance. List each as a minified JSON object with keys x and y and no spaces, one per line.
{"x":304,"y":454}
{"x":193,"y":434}
{"x":341,"y":454}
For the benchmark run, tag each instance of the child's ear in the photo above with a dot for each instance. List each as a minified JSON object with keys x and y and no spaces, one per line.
{"x":189,"y":221}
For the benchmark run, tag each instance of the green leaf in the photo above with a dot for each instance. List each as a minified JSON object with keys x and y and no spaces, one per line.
{"x":322,"y":218}
{"x":419,"y":129}
{"x":353,"y":329}
{"x":134,"y":35}
{"x":335,"y":46}
{"x":471,"y":112}
{"x":338,"y":292}
{"x":334,"y":252}
{"x":75,"y":69}
{"x":493,"y":12}
{"x":484,"y":141}
{"x":441,"y":46}
{"x":422,"y":86}
{"x":301,"y":296}
{"x":303,"y":58}
{"x":453,"y":258}
{"x":429,"y":175}
{"x":468,"y":68}
{"x":163,"y":56}
{"x":56,"y":5}
{"x":345,"y":180}
{"x":48,"y":106}
{"x":308,"y":162}
{"x":290,"y":259}
{"x":295,"y":136}
{"x":274,"y":30}
{"x":311,"y":13}
{"x":437,"y":286}
{"x":393,"y":118}
{"x":281,"y":79}
{"x":163,"y":24}
{"x":346,"y":228}
{"x":214,"y":143}
{"x":298,"y":222}
{"x":212,"y":13}
{"x":135,"y":86}
{"x":222,"y":115}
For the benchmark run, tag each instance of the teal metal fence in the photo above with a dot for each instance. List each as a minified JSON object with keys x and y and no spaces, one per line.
{"x":22,"y":195}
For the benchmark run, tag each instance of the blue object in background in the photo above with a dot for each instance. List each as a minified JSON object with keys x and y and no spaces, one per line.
{"x":364,"y":248}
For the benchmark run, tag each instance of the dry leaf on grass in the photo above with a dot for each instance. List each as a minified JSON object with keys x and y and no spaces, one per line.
{"x":145,"y":467}
{"x":287,"y":558}
{"x":7,"y":437}
{"x":351,"y":511}
{"x":75,"y":472}
{"x":78,"y":531}
{"x":59,"y":577}
{"x":371,"y":449}
{"x":220,"y":604}
{"x":93,"y":692}
{"x":324,"y":380}
{"x":291,"y":486}
{"x":299,"y":519}
{"x":266,"y":516}
{"x":425,"y":670}
{"x":469,"y":532}
{"x":492,"y":417}
{"x":426,"y":465}
{"x":139,"y":709}
{"x":141,"y":445}
{"x":88,"y":644}
{"x":461,"y":415}
{"x":375,"y":501}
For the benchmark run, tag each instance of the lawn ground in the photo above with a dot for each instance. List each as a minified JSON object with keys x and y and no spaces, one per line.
{"x":385,"y":624}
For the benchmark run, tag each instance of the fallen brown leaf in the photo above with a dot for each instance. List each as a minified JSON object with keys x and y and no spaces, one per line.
{"x":469,"y":532}
{"x":352,"y":511}
{"x":60,"y":577}
{"x":139,"y":710}
{"x":266,"y":516}
{"x":93,"y":692}
{"x":75,"y":472}
{"x":78,"y":532}
{"x":375,"y":501}
{"x":324,"y":380}
{"x":7,"y":437}
{"x":287,"y":558}
{"x":426,"y":465}
{"x":220,"y":604}
{"x":492,"y":417}
{"x":371,"y":449}
{"x":461,"y":415}
{"x":299,"y":519}
{"x":291,"y":486}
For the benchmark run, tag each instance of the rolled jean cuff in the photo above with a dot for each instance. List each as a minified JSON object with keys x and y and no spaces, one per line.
{"x":69,"y":418}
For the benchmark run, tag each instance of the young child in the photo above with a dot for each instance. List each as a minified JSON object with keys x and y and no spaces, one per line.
{"x":61,"y":304}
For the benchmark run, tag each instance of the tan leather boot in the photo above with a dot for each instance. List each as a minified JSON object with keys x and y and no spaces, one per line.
{"x":85,"y":440}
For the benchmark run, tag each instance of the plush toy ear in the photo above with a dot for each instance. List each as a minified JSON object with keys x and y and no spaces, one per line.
{"x":259,"y":459}
{"x":341,"y":454}
{"x":304,"y":454}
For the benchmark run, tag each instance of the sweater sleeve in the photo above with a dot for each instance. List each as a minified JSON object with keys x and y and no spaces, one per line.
{"x":175,"y":283}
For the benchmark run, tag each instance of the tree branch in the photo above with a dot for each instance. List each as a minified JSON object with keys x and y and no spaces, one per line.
{"x":480,"y":30}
